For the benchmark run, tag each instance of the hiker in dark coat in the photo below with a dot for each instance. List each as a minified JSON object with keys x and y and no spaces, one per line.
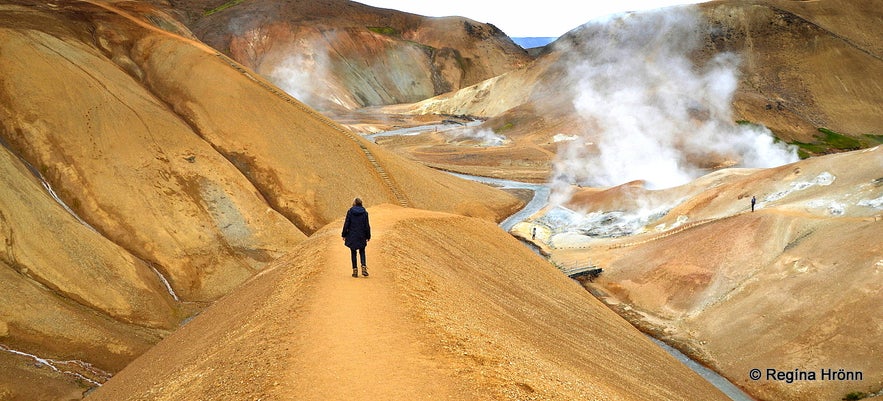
{"x":356,"y":234}
{"x":753,"y":201}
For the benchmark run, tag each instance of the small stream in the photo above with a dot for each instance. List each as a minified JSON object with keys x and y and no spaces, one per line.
{"x":540,"y":200}
{"x":36,"y":173}
{"x":411,"y":131}
{"x":163,"y":279}
{"x":722,"y":384}
{"x":82,"y":370}
{"x":39,"y":176}
{"x":540,"y":197}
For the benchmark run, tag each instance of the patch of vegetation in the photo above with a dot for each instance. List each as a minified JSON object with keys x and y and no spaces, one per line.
{"x":222,"y":7}
{"x":426,"y":48}
{"x":504,"y":128}
{"x":830,"y":141}
{"x":839,"y":141}
{"x":385,"y":30}
{"x":807,"y":150}
{"x":855,"y":396}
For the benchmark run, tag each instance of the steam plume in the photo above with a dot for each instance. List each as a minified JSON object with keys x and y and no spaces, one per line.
{"x":304,"y":73}
{"x":483,"y":137}
{"x":651,"y":113}
{"x":299,"y":74}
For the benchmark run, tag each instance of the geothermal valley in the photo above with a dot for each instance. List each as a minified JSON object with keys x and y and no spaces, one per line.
{"x":678,"y":204}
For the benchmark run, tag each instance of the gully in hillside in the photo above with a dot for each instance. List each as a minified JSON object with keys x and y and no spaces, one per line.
{"x":356,"y":234}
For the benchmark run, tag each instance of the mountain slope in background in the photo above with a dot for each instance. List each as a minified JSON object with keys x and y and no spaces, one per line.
{"x":454,"y":308}
{"x":802,"y":66}
{"x":794,"y":285}
{"x":805,"y":64}
{"x":530,"y":43}
{"x":334,"y":54}
{"x":179,"y":174}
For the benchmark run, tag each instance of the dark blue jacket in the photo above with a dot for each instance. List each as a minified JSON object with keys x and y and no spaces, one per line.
{"x":356,"y":228}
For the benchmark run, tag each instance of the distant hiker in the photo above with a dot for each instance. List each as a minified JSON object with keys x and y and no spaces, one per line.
{"x":533,"y":234}
{"x":753,"y":201}
{"x":356,"y":234}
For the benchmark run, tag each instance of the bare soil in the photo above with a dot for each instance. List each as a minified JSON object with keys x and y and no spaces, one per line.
{"x":443,"y":315}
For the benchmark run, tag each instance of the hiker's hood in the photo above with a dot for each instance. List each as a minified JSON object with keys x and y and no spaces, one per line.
{"x":358,"y":210}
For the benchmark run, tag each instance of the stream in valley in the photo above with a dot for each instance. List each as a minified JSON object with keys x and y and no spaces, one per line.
{"x":540,"y":200}
{"x":411,"y":131}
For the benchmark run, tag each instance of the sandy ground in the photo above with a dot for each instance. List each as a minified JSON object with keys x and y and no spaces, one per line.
{"x":445,"y":314}
{"x":356,"y":340}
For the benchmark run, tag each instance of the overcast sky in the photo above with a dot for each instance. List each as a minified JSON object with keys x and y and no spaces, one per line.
{"x":543,"y":18}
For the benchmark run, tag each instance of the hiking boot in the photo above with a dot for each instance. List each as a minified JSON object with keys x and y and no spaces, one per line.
{"x":365,"y":271}
{"x":356,"y":272}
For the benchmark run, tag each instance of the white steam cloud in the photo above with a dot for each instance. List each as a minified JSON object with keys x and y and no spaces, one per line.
{"x":300,"y":75}
{"x":480,"y":137}
{"x":304,"y":72}
{"x":293,"y":76}
{"x":651,"y":113}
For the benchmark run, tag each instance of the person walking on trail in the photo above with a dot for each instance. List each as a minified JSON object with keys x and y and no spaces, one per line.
{"x":356,"y":234}
{"x":753,"y":201}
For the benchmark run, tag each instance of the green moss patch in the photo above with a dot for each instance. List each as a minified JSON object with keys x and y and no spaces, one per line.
{"x":385,"y":30}
{"x":505,"y":127}
{"x":829,"y":141}
{"x":855,"y":396}
{"x":222,"y":7}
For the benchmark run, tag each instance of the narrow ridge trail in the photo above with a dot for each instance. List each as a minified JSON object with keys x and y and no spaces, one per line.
{"x":356,"y":339}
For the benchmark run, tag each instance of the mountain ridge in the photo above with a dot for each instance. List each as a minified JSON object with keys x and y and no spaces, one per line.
{"x":355,"y":328}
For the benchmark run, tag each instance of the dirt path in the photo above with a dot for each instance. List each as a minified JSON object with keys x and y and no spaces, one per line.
{"x":357,"y":340}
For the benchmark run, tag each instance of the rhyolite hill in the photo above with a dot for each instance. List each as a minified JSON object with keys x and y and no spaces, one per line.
{"x":191,"y":176}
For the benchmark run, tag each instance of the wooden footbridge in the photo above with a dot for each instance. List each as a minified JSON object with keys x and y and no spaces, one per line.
{"x":586,"y":270}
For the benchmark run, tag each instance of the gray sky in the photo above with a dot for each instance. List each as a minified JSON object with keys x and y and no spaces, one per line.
{"x":528,"y":18}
